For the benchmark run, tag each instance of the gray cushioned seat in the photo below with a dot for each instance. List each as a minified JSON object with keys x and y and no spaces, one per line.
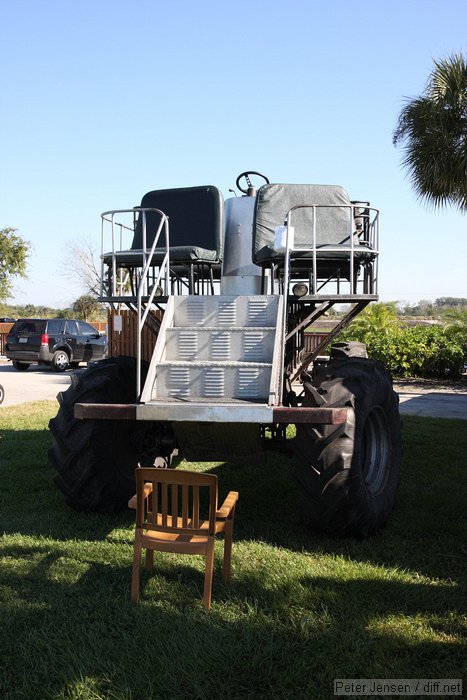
{"x":334,"y":225}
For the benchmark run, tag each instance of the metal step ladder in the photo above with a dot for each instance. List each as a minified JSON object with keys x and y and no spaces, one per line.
{"x":219,"y":350}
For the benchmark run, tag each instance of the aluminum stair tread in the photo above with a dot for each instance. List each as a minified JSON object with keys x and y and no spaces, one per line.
{"x":200,"y":400}
{"x":211,"y":329}
{"x":213,"y":363}
{"x":206,"y":410}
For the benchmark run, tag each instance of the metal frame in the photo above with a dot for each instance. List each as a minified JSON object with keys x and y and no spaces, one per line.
{"x":289,"y":367}
{"x":372,"y":231}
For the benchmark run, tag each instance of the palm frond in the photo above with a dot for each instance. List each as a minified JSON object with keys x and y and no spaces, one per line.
{"x":432,"y":130}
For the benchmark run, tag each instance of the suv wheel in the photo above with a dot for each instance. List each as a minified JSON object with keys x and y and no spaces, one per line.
{"x":20,"y":366}
{"x":60,"y":361}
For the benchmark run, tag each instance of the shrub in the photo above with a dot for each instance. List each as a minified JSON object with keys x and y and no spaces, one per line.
{"x":421,"y":351}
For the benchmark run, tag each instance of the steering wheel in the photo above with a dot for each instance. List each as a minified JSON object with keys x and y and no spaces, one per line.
{"x":246,"y":175}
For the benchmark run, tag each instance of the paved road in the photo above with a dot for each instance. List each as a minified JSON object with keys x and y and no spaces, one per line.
{"x":39,"y":383}
{"x":433,"y":403}
{"x":35,"y":384}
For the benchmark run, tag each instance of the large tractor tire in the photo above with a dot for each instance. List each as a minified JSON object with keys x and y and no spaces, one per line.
{"x":348,"y":474}
{"x":96,"y":459}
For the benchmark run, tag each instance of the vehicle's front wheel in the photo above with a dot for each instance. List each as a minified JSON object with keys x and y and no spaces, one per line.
{"x":348,"y":474}
{"x":20,"y":366}
{"x":96,"y":459}
{"x":60,"y":361}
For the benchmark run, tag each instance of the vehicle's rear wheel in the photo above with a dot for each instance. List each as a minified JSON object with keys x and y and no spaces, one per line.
{"x":20,"y":366}
{"x":60,"y":360}
{"x":348,"y":474}
{"x":96,"y":459}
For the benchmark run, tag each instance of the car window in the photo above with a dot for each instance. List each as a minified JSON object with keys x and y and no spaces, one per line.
{"x":28,"y":326}
{"x":71,"y":328}
{"x":86,"y":329}
{"x":54,"y":327}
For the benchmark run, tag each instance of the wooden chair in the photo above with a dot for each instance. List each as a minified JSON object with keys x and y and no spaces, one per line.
{"x":169,"y":518}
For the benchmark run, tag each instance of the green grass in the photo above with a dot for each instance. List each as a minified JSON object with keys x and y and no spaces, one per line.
{"x":301,"y":609}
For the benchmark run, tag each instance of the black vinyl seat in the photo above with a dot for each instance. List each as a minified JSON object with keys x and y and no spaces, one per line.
{"x":196,"y":233}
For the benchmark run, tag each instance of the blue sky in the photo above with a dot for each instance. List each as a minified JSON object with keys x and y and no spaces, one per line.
{"x":104,"y":100}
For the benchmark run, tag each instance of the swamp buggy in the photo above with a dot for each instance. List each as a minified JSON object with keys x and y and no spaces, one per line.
{"x":209,"y":301}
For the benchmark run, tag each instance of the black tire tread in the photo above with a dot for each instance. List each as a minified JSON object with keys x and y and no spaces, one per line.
{"x":333,"y":497}
{"x":96,"y":459}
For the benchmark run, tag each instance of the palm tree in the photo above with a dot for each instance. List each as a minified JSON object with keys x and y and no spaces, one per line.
{"x":433,"y":131}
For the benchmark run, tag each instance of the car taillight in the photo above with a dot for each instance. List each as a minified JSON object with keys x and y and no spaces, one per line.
{"x":45,"y":339}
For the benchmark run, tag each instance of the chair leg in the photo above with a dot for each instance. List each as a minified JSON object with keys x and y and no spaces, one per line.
{"x":228,"y":536}
{"x":149,"y":560}
{"x":135,"y":576}
{"x":208,"y":574}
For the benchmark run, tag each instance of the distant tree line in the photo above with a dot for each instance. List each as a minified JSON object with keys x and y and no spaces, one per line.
{"x":440,"y":308}
{"x":85,"y":308}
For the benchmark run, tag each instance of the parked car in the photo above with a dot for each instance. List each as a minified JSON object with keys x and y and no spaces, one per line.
{"x":58,"y":342}
{"x":7,"y":320}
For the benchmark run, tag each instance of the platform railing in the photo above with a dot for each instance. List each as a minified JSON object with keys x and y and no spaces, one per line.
{"x":117,"y":230}
{"x":369,"y":229}
{"x":146,"y":290}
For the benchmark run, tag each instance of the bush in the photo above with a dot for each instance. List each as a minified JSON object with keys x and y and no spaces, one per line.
{"x":428,"y":351}
{"x":420,"y":351}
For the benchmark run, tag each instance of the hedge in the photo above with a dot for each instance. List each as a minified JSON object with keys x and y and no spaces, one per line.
{"x":418,"y":351}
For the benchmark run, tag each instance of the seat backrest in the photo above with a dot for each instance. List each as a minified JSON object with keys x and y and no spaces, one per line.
{"x":179,"y":502}
{"x":274,"y":201}
{"x":196,"y":218}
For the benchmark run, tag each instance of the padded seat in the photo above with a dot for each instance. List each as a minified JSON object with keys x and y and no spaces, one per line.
{"x":196,"y":225}
{"x":196,"y":234}
{"x":323,"y":209}
{"x":334,"y":222}
{"x":184,"y":254}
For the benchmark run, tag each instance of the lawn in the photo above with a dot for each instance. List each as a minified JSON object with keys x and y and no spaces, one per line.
{"x":301,"y":609}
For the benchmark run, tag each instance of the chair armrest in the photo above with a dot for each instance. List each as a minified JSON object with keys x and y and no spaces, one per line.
{"x":228,"y":505}
{"x":133,"y":499}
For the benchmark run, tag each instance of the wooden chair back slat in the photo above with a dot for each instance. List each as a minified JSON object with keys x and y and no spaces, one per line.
{"x":184,"y":505}
{"x":164,"y":503}
{"x":175,"y":496}
{"x":178,"y":505}
{"x":195,"y":514}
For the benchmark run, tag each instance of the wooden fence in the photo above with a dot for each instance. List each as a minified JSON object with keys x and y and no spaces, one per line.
{"x":122,"y":335}
{"x":4,"y":329}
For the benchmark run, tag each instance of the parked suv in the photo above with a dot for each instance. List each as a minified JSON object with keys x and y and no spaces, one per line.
{"x":58,"y":342}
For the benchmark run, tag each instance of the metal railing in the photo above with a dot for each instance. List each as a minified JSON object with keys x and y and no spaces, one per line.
{"x":369,"y":229}
{"x":358,"y":241}
{"x":145,"y":292}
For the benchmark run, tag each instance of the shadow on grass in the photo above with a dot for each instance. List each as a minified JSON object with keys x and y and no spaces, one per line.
{"x":424,"y":534}
{"x":74,"y":633}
